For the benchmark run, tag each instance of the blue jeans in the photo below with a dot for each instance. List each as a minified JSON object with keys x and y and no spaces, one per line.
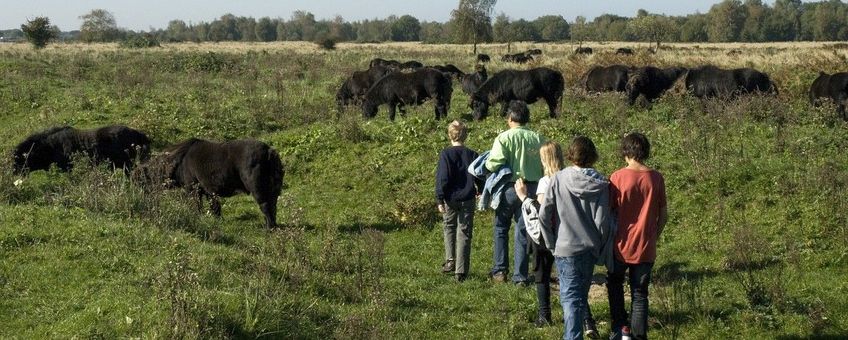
{"x":575,"y":277}
{"x":508,"y":211}
{"x":640,"y":278}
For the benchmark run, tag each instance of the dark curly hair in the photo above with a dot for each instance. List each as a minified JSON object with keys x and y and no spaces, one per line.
{"x":636,"y":146}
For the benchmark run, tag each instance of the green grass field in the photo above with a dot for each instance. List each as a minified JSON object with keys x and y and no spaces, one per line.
{"x":756,"y":246}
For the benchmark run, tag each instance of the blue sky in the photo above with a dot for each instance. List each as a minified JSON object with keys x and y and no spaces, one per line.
{"x":141,"y":15}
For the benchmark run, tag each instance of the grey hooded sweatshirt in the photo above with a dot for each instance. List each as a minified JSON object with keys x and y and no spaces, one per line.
{"x":579,"y":197}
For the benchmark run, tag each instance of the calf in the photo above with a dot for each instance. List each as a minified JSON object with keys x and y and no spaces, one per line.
{"x":831,"y":86}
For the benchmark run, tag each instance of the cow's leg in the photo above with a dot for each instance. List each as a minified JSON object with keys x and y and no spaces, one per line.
{"x":552,"y":106}
{"x":840,"y":109}
{"x":269,"y":209}
{"x":392,"y":110}
{"x":215,"y":205}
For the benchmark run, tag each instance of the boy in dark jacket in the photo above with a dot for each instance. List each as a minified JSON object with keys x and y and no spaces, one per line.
{"x":455,"y":193}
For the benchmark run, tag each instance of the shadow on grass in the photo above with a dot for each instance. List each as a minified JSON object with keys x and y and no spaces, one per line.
{"x":356,"y":228}
{"x":676,"y":271}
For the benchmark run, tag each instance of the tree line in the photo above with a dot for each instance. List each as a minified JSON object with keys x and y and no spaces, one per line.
{"x":727,"y":21}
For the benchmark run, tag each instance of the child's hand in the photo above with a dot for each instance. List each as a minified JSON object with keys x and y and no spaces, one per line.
{"x":441,"y":208}
{"x":520,"y":189}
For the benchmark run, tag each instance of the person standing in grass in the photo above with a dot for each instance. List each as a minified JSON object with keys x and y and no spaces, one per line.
{"x":455,"y":193}
{"x":544,"y":243}
{"x":638,"y":198}
{"x":517,"y":149}
{"x":577,"y":199}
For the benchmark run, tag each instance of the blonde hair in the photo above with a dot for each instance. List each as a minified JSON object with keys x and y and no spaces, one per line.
{"x":457,"y":132}
{"x":551,"y":154}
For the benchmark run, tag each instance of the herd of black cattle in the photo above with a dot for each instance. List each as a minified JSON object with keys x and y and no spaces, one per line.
{"x":213,"y":170}
{"x":397,"y":84}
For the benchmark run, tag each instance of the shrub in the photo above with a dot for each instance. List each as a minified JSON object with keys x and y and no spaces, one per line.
{"x":326,"y":43}
{"x":145,"y":40}
{"x":39,"y":32}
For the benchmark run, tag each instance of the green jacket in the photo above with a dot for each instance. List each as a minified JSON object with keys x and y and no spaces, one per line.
{"x":518,"y":148}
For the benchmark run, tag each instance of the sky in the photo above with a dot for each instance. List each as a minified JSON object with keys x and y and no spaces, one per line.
{"x":144,"y":14}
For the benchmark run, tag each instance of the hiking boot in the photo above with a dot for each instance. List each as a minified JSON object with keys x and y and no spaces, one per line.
{"x":543,"y":321}
{"x":499,"y":277}
{"x":448,"y":267}
{"x":461,"y":277}
{"x":590,"y":329}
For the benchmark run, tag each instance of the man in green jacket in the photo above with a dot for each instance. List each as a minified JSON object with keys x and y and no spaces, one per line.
{"x":518,"y":149}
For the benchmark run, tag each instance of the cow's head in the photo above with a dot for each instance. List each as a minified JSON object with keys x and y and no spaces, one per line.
{"x":480,"y":107}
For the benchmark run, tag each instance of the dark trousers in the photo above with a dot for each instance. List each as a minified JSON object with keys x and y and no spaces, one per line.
{"x":639,"y":278}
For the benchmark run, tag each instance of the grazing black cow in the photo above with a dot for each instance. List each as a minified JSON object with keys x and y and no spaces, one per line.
{"x":411,"y":65}
{"x":624,"y":51}
{"x":710,"y":81}
{"x":518,"y":58}
{"x":214,"y":170}
{"x":383,"y":62}
{"x":583,"y":50}
{"x":833,"y":86}
{"x":354,"y":88}
{"x":472,"y":81}
{"x":528,"y":86}
{"x":449,"y":69}
{"x":483,"y":58}
{"x":533,"y":52}
{"x":606,"y":78}
{"x":401,"y":89}
{"x":651,"y":82}
{"x":116,"y":145}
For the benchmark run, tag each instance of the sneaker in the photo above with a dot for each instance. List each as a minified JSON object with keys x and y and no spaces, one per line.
{"x":590,"y":329}
{"x":448,"y":267}
{"x":543,"y":321}
{"x":461,"y":277}
{"x":499,"y":277}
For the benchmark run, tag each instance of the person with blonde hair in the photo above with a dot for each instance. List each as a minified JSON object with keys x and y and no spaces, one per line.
{"x":456,"y":190}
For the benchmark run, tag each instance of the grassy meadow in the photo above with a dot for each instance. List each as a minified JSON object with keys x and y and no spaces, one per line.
{"x":756,"y":246}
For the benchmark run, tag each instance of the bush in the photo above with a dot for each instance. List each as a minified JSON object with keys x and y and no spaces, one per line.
{"x":326,"y":43}
{"x":39,"y":32}
{"x":140,"y":41}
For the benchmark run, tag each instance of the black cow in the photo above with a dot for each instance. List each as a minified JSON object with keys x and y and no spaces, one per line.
{"x":533,"y":52}
{"x":710,"y":81}
{"x":450,"y":70}
{"x":401,"y":89}
{"x":527,"y":86}
{"x":116,"y":145}
{"x":624,"y":51}
{"x":411,"y":65}
{"x":214,"y":170}
{"x":483,"y":58}
{"x":354,"y":88}
{"x":383,"y":62}
{"x":651,"y":82}
{"x":583,"y":50}
{"x":518,"y":58}
{"x":832,"y":86}
{"x":472,"y":81}
{"x":606,"y":78}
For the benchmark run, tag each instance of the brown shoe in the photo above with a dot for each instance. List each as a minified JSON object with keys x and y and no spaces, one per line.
{"x":499,"y":277}
{"x":448,"y":267}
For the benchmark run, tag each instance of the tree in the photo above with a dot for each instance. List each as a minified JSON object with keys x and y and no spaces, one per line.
{"x":725,"y":21}
{"x":266,"y":30}
{"x":580,"y":30}
{"x":39,"y":32}
{"x":551,"y":27}
{"x":177,"y":31}
{"x":653,"y":28}
{"x":98,"y":26}
{"x":501,"y":30}
{"x":753,"y":28}
{"x":472,"y":20}
{"x":523,"y":30}
{"x":405,"y":28}
{"x":694,"y":29}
